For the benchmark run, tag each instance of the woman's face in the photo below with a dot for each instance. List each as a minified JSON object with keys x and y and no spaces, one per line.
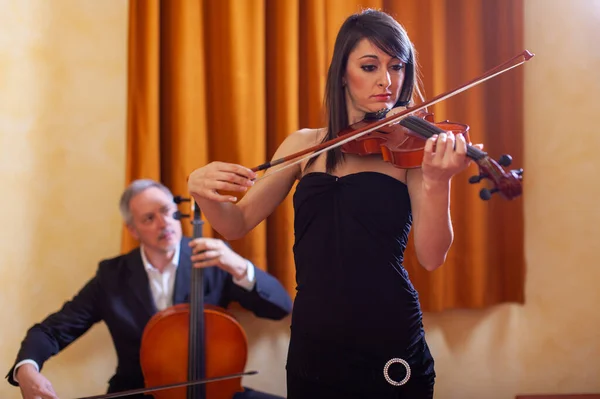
{"x":372,"y":80}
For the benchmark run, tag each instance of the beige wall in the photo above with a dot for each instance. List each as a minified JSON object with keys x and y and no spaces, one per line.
{"x":62,"y":118}
{"x":552,"y":344}
{"x":62,"y":115}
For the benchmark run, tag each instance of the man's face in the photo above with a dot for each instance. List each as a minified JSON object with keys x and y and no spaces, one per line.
{"x":153,"y":224}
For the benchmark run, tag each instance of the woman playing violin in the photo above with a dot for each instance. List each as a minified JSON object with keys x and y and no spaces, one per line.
{"x":356,"y":308}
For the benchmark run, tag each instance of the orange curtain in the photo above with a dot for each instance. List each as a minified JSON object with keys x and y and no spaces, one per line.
{"x":228,"y":80}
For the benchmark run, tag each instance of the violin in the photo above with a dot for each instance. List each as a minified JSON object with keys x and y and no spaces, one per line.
{"x":400,"y":139}
{"x":403,"y":144}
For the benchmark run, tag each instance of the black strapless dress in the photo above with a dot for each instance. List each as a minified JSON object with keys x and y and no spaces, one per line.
{"x":355,"y":307}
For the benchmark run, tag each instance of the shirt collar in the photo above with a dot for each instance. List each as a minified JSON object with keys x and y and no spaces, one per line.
{"x":149,"y":267}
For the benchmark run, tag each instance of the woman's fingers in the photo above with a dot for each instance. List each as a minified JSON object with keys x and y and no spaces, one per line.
{"x":238,"y":170}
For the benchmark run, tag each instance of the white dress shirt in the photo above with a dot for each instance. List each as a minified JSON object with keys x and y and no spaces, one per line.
{"x":162,"y":286}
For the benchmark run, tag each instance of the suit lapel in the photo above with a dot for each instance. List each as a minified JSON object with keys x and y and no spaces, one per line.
{"x":138,"y":282}
{"x":181,"y":291}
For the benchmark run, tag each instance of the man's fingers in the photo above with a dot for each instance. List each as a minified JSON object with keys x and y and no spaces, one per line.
{"x":40,"y":393}
{"x":206,"y":255}
{"x":202,"y":244}
{"x":51,"y":391}
{"x":206,"y":263}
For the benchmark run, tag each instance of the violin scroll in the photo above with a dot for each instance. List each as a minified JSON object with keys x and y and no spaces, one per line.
{"x":506,"y":183}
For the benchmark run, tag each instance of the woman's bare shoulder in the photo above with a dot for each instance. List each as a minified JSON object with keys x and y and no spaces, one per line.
{"x":300,"y":140}
{"x":308,"y":136}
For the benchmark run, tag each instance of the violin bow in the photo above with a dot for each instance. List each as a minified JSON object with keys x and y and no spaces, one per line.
{"x":169,"y":386}
{"x":333,"y":143}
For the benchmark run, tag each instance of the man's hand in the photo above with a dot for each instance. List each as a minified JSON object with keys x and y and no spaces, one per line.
{"x":208,"y":252}
{"x":33,"y":384}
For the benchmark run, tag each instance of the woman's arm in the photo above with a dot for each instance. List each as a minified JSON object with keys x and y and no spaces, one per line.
{"x":234,"y":220}
{"x":432,"y":224}
{"x":429,"y":189}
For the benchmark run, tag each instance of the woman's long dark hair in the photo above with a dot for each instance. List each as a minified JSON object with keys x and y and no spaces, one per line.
{"x":387,"y":34}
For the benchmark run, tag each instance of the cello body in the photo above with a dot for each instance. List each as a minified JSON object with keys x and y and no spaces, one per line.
{"x":164,"y":351}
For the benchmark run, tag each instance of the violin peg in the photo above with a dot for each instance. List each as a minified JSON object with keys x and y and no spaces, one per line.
{"x":518,"y":172}
{"x":485,"y":194}
{"x":475,"y":179}
{"x":505,"y":160}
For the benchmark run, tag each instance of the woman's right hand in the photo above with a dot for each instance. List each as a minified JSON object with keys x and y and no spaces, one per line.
{"x":207,"y":180}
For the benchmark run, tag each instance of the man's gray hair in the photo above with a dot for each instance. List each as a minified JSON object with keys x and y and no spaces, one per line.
{"x":136,"y":187}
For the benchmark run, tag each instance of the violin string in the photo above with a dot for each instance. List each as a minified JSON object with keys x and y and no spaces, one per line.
{"x":426,"y":129}
{"x":392,"y":120}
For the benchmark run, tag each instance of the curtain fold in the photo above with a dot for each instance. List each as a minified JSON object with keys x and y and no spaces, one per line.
{"x":143,"y":157}
{"x":283,"y":98}
{"x":229,"y":80}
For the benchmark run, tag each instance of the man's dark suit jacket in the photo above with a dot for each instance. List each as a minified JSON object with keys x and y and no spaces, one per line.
{"x":119,"y":294}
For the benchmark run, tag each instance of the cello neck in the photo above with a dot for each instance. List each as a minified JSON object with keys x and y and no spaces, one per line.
{"x":196,"y":344}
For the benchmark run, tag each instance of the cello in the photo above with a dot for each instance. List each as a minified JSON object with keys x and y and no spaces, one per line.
{"x":194,"y":341}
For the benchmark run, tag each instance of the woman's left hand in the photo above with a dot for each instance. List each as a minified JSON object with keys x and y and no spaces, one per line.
{"x":444,"y":156}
